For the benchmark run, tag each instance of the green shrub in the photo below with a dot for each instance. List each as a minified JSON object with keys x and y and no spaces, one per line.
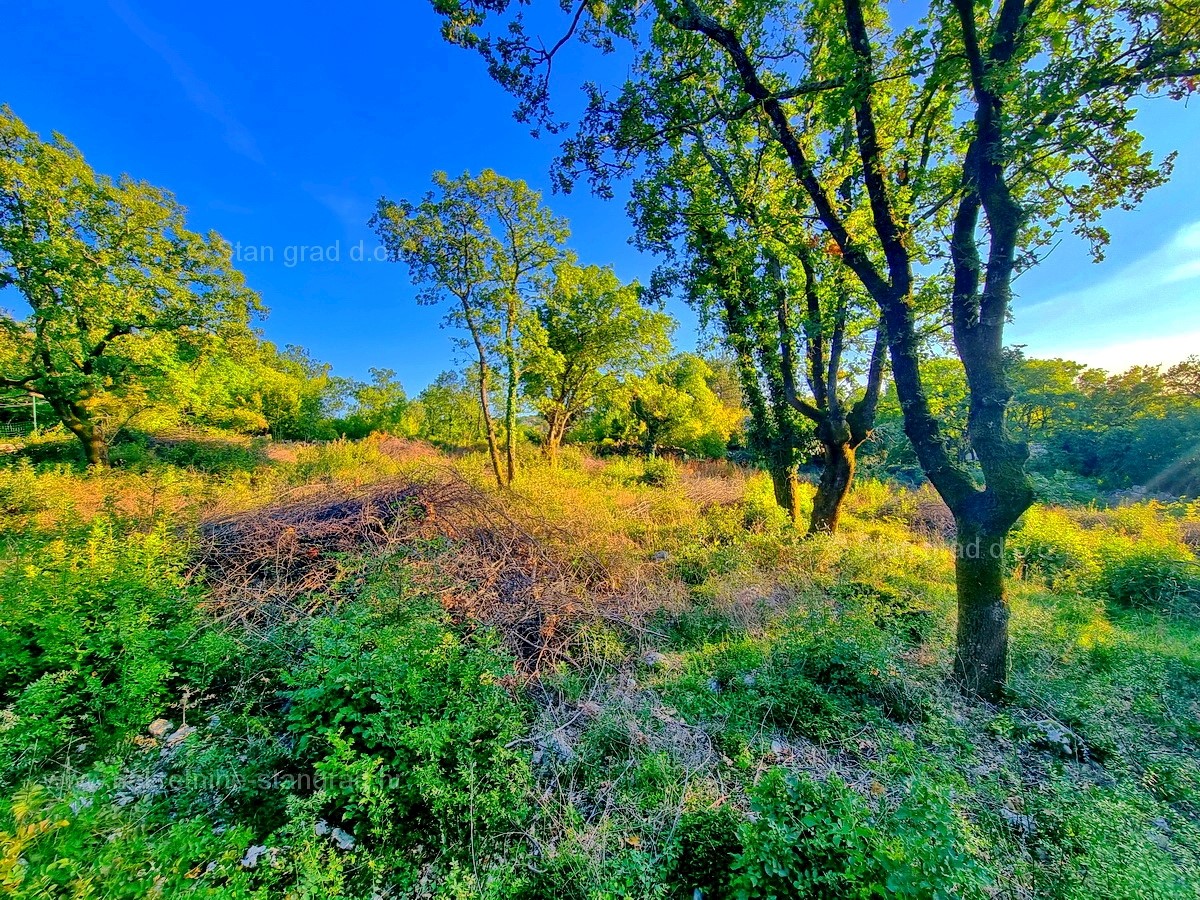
{"x":97,"y":634}
{"x":658,"y":472}
{"x":86,"y":846}
{"x":20,"y":493}
{"x":822,"y":840}
{"x":1155,"y":578}
{"x":1102,"y":844}
{"x":708,"y":843}
{"x":1049,"y":545}
{"x":408,"y":725}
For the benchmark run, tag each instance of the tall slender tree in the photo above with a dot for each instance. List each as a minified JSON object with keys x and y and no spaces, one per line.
{"x":487,"y":242}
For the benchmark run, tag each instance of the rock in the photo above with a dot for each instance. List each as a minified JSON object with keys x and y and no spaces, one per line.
{"x":1159,"y":840}
{"x":321,"y":828}
{"x":344,"y":840}
{"x":714,"y":685}
{"x":179,"y":735}
{"x":159,"y":727}
{"x":1017,"y":821}
{"x":749,"y":679}
{"x":654,"y":659}
{"x":559,"y":747}
{"x":1058,"y":739}
{"x":1162,"y":826}
{"x":253,"y":855}
{"x":660,"y":556}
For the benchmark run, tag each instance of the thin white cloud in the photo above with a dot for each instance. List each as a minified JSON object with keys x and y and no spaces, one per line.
{"x":237,"y":137}
{"x":1147,"y":312}
{"x":351,"y":210}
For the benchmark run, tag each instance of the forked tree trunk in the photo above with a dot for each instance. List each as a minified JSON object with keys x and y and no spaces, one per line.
{"x":981,"y":660}
{"x":837,"y":473}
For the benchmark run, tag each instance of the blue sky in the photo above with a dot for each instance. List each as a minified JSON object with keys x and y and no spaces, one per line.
{"x":280,"y":125}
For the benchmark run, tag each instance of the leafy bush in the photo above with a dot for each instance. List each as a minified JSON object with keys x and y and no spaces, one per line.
{"x":708,"y":844}
{"x":1103,"y":844}
{"x":658,"y":472}
{"x":1049,"y":545}
{"x":1156,"y":578}
{"x":96,"y":636}
{"x":822,"y":840}
{"x":408,"y":725}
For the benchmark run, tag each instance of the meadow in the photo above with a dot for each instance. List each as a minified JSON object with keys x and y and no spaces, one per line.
{"x":235,"y":668}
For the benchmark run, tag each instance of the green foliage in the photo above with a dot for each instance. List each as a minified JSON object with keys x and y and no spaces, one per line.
{"x":1095,"y":845}
{"x":1049,"y":544}
{"x":121,"y":294}
{"x":84,"y":846}
{"x":813,"y":839}
{"x":587,"y":335}
{"x":450,"y":413}
{"x":1163,"y":579}
{"x":674,"y":405}
{"x":408,"y":726}
{"x":96,"y":637}
{"x":706,"y":850}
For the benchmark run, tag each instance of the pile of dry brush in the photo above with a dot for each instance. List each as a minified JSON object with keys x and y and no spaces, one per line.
{"x":528,"y":579}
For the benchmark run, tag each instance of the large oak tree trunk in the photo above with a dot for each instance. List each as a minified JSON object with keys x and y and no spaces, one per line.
{"x":981,"y":660}
{"x":837,"y":473}
{"x":83,"y":425}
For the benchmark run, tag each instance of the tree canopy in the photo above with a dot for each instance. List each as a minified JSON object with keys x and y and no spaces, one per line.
{"x":119,"y":291}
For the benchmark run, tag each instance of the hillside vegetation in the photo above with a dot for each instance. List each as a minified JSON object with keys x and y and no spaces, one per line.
{"x":360,"y":669}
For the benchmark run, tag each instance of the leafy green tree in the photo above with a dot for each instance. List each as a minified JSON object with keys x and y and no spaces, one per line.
{"x":486,"y":242}
{"x":1046,"y":395}
{"x":674,"y":405}
{"x":299,"y":396}
{"x":119,"y":291}
{"x":381,"y":405}
{"x":450,"y":412}
{"x":1183,"y":378}
{"x":587,"y":334}
{"x":956,"y":146}
{"x":736,"y":243}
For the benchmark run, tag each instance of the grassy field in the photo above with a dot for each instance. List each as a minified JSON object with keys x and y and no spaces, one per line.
{"x":234,"y":669}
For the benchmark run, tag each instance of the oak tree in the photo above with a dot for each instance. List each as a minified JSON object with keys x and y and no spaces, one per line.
{"x":118,"y":290}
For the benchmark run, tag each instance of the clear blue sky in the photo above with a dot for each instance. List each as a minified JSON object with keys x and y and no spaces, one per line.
{"x":279,"y":125}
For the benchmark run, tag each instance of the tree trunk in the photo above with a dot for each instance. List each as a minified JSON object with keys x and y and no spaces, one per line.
{"x":836,"y":475}
{"x":556,"y":429}
{"x":981,"y":660}
{"x":489,"y":426}
{"x":787,"y":490}
{"x":553,"y":445}
{"x":81,"y":424}
{"x":510,"y":403}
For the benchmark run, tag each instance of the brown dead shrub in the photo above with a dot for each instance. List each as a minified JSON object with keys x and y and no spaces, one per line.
{"x":528,"y":579}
